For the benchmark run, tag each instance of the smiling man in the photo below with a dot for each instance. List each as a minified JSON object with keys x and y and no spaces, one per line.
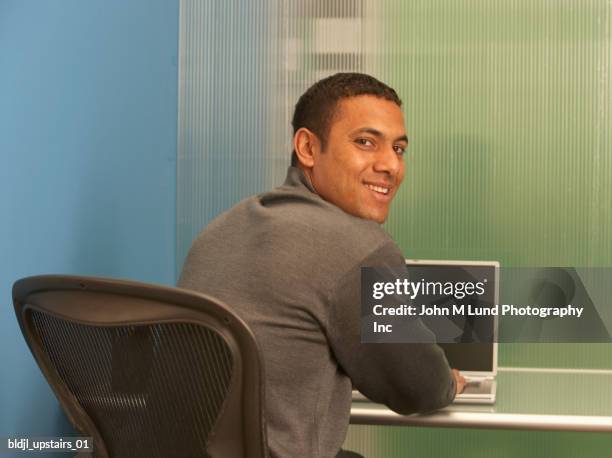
{"x":288,"y":261}
{"x":367,"y":141}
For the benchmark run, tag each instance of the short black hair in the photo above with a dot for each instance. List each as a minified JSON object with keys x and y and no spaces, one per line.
{"x":316,"y":107}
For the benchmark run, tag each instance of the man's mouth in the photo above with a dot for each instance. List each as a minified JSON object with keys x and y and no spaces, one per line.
{"x":379,"y":189}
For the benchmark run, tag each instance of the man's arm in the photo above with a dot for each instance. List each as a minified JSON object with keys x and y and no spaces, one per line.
{"x":407,"y":378}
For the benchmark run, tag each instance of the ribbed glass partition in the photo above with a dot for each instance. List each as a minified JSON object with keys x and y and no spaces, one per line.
{"x":243,"y":66}
{"x":508,"y":105}
{"x":228,"y":104}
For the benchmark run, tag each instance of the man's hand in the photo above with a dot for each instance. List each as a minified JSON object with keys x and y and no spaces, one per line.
{"x":459,"y":381}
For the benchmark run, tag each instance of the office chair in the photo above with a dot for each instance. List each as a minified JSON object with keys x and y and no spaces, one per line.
{"x":145,"y":370}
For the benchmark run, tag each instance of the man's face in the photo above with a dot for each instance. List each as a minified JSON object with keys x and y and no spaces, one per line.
{"x":362,"y":165}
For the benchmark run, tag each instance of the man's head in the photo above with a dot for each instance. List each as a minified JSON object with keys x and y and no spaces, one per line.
{"x":349,"y":140}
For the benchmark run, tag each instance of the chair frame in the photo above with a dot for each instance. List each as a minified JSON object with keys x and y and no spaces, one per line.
{"x":110,"y":302}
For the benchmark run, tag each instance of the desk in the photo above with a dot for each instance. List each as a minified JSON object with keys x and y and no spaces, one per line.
{"x":536,"y":399}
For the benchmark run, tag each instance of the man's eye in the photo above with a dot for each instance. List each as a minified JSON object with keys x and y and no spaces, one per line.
{"x":399,"y":149}
{"x":363,"y":142}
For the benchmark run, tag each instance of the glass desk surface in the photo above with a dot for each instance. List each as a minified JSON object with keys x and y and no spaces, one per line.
{"x":544,"y":399}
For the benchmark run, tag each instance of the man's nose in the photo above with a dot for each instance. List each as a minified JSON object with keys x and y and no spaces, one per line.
{"x":388,"y":161}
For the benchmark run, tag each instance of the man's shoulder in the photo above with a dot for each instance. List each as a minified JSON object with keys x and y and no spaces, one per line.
{"x":300,"y":217}
{"x":309,"y":211}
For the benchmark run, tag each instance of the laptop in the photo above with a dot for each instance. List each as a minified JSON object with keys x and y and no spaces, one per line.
{"x":477,"y":361}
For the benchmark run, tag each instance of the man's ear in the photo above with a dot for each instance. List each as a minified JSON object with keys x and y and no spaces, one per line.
{"x":306,"y":146}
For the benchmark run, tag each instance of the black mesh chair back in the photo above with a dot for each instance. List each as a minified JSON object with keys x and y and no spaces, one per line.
{"x":147,"y":371}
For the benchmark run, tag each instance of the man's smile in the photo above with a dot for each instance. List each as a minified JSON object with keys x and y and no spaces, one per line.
{"x":380,"y":189}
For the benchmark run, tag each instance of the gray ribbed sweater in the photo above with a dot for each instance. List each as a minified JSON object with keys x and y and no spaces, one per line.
{"x":289,"y":263}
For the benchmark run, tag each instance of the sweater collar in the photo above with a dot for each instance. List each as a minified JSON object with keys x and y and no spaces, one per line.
{"x":297,"y":179}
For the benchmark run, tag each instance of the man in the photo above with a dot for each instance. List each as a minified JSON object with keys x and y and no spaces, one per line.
{"x":288,"y":261}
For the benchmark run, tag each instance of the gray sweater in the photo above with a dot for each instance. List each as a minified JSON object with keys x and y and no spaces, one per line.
{"x":289,"y":263}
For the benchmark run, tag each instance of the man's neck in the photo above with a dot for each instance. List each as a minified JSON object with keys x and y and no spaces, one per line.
{"x":307,"y":175}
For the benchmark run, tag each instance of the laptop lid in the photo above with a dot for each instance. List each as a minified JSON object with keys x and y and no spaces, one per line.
{"x":473,"y":359}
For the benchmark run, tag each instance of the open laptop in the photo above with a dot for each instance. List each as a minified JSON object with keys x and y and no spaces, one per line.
{"x":477,"y":361}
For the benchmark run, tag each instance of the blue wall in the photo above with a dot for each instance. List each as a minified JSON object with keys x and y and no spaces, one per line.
{"x":88,"y":109}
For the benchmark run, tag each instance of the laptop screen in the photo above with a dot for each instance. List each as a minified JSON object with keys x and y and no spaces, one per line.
{"x":470,"y":357}
{"x":467,"y":354}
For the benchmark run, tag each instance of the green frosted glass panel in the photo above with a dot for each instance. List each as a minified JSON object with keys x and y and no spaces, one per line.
{"x":508,"y":106}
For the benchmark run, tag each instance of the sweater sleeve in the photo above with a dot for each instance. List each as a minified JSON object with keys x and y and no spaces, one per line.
{"x":407,"y":378}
